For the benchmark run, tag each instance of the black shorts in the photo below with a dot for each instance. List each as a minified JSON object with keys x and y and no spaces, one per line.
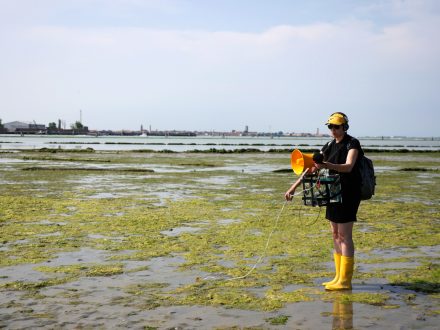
{"x":344,"y":212}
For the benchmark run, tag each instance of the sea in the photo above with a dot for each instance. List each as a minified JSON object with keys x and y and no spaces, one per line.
{"x":203,"y":143}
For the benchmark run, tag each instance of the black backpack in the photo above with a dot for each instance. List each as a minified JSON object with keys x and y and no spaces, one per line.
{"x":368,"y":179}
{"x":366,"y":171}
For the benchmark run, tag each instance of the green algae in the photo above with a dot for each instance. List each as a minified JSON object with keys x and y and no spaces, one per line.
{"x":210,"y":294}
{"x":425,"y":278}
{"x":278,"y":320}
{"x":43,"y":214}
{"x":84,"y":270}
{"x":139,"y":289}
{"x":30,"y":286}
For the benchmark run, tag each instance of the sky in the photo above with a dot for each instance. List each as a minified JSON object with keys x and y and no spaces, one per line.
{"x":271,"y":65}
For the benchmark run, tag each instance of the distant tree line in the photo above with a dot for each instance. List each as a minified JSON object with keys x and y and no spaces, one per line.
{"x":78,"y":125}
{"x":52,"y":128}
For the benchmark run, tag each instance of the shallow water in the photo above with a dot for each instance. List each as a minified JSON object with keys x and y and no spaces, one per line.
{"x":200,"y":142}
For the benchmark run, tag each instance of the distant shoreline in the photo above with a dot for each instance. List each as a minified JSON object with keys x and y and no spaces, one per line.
{"x":210,"y":150}
{"x":201,"y":136}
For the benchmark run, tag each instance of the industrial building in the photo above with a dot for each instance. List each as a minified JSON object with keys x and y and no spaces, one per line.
{"x":24,"y":127}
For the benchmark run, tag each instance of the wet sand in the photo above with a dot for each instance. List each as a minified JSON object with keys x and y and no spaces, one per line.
{"x":102,"y":305}
{"x":102,"y":302}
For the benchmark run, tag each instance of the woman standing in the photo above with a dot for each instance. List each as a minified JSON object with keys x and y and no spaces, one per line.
{"x":340,"y":156}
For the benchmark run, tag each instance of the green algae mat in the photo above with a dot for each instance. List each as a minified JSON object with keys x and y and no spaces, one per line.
{"x":144,"y":231}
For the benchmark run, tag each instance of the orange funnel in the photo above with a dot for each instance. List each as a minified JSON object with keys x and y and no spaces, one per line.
{"x":300,"y":161}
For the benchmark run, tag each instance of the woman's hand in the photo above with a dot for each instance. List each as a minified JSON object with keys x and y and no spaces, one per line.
{"x":321,"y":166}
{"x":289,"y":195}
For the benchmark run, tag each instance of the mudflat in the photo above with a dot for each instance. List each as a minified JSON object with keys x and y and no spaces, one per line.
{"x":155,"y":240}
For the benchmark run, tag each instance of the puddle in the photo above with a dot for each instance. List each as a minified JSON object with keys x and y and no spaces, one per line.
{"x":94,"y":179}
{"x":254,"y":169}
{"x":16,"y":161}
{"x":227,"y":263}
{"x":116,"y":214}
{"x":103,"y":195}
{"x":395,"y":266}
{"x":381,"y":169}
{"x":110,"y":238}
{"x":180,"y":230}
{"x":171,"y":194}
{"x":430,"y":251}
{"x":50,"y":223}
{"x":405,"y":158}
{"x":85,"y":255}
{"x":255,"y":232}
{"x":20,"y":241}
{"x":3,"y":182}
{"x":220,"y":180}
{"x":23,"y":273}
{"x":292,"y":287}
{"x":421,"y":251}
{"x":408,"y":199}
{"x":50,"y":234}
{"x":26,"y":273}
{"x":228,"y":221}
{"x":260,"y":190}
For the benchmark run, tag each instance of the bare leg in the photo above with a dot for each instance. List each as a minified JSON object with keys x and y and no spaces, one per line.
{"x":336,"y":241}
{"x":345,"y":238}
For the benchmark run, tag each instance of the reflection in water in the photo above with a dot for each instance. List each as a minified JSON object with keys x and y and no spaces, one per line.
{"x":342,"y":315}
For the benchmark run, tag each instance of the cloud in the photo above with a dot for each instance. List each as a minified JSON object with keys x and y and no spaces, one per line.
{"x":185,"y":78}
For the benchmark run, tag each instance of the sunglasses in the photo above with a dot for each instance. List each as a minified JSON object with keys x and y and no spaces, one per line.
{"x":331,"y":126}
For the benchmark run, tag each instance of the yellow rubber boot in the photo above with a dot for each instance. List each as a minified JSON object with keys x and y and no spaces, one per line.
{"x":345,"y":275}
{"x":337,"y":259}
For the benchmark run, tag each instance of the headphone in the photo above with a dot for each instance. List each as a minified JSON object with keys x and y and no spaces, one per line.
{"x":342,"y":115}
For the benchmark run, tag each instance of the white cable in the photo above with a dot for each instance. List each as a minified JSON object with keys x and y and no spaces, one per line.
{"x":260,"y":259}
{"x":267,"y":241}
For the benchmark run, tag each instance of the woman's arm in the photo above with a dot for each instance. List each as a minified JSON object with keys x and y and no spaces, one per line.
{"x":289,"y":193}
{"x":342,"y":168}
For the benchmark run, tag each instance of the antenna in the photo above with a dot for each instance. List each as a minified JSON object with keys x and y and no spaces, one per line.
{"x":80,"y":116}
